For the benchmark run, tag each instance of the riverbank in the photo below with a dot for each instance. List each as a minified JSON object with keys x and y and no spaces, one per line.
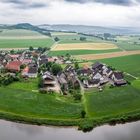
{"x":85,"y":125}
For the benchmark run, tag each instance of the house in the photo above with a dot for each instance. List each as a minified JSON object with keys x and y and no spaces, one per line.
{"x":14,"y":57}
{"x":43,"y":59}
{"x":26,"y":61}
{"x":85,"y":72}
{"x":97,"y":75}
{"x":94,"y":83}
{"x":118,"y":78}
{"x":30,"y":71}
{"x":50,"y":83}
{"x":62,"y":79}
{"x":97,"y":66}
{"x":13,"y":66}
{"x":107,"y":71}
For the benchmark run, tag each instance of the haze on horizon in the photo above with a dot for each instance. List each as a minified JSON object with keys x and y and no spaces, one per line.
{"x":78,"y":12}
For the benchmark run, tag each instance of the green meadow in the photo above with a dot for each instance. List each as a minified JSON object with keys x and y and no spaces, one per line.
{"x":25,"y":43}
{"x":81,"y":52}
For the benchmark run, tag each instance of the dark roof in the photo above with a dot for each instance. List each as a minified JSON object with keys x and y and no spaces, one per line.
{"x":87,"y":71}
{"x":118,"y":75}
{"x":108,"y":70}
{"x":121,"y":82}
{"x":32,"y":70}
{"x":43,"y":56}
{"x":94,"y":81}
{"x":43,"y":61}
{"x":97,"y":65}
{"x":96,"y":73}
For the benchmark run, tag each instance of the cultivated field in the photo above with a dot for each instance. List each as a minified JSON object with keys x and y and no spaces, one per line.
{"x":62,"y":34}
{"x":106,"y":55}
{"x":85,"y":46}
{"x":20,"y":34}
{"x":18,"y":38}
{"x":81,"y":52}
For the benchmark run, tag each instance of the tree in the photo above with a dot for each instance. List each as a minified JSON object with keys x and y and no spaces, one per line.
{"x":83,"y":38}
{"x":31,"y":48}
{"x":40,"y":82}
{"x":83,"y":114}
{"x":77,"y":96}
{"x":56,"y":39}
{"x":76,"y":65}
{"x":40,"y":49}
{"x":56,"y":68}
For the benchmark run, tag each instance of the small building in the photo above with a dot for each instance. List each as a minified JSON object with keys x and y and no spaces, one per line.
{"x":118,"y":78}
{"x":30,"y":71}
{"x":50,"y":83}
{"x":97,"y":66}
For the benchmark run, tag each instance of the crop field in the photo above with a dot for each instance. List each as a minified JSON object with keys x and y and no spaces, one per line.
{"x":20,"y":34}
{"x":25,"y":43}
{"x":18,"y":38}
{"x":85,"y":46}
{"x":81,"y":52}
{"x":106,"y":55}
{"x":62,"y":34}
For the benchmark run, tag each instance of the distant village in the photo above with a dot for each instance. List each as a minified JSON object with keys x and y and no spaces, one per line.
{"x":56,"y":74}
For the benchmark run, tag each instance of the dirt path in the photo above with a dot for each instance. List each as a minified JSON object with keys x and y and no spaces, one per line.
{"x":106,"y":55}
{"x":131,"y":75}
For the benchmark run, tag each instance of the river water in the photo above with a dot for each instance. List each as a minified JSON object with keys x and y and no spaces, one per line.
{"x":15,"y":131}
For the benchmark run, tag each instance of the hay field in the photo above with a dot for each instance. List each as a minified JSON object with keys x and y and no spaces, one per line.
{"x":84,"y":46}
{"x":106,"y":55}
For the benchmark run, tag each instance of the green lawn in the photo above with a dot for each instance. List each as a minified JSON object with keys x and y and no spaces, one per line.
{"x":112,"y":102}
{"x":81,"y":52}
{"x":25,"y":43}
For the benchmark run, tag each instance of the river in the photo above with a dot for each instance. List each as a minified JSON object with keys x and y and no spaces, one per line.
{"x":16,"y":131}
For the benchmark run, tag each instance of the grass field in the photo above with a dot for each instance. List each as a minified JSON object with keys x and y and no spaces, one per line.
{"x":130,"y":64}
{"x":85,"y":46}
{"x":18,"y":38}
{"x":25,"y":43}
{"x":112,"y":102}
{"x":20,"y":34}
{"x":20,"y":98}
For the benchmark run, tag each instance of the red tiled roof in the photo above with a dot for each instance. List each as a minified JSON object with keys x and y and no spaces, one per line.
{"x":26,"y":61}
{"x":14,"y":55}
{"x":14,"y":65}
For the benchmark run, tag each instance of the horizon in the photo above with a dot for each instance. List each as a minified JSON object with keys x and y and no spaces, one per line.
{"x":102,"y":13}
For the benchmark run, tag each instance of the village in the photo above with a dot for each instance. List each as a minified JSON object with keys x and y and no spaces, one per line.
{"x":56,"y":74}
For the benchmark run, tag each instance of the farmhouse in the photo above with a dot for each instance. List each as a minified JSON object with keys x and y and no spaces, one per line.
{"x":50,"y":82}
{"x":13,"y":66}
{"x":118,"y":78}
{"x":30,"y":71}
{"x":99,"y":75}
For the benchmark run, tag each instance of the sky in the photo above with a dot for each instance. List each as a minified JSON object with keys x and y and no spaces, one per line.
{"x":77,"y":12}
